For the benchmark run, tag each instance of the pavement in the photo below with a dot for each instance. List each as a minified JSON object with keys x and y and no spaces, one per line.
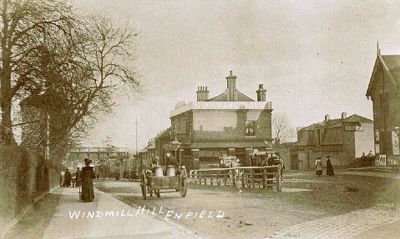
{"x":360,"y":224}
{"x":381,"y":221}
{"x":105,"y":217}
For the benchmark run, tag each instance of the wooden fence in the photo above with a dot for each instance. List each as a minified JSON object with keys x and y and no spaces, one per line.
{"x":251,"y":177}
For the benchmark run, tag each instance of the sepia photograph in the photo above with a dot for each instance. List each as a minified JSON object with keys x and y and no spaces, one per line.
{"x":199,"y":119}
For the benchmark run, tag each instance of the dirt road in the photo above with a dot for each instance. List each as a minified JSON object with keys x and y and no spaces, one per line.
{"x":256,"y":213}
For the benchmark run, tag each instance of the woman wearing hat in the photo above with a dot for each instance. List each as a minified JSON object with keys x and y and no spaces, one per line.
{"x":329,"y":167}
{"x":87,"y":177}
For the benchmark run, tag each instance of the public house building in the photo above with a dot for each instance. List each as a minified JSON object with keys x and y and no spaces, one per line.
{"x":384,"y":91}
{"x":229,"y":124}
{"x":344,"y":139}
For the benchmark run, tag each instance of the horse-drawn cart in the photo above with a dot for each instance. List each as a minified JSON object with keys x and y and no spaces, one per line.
{"x":155,"y":183}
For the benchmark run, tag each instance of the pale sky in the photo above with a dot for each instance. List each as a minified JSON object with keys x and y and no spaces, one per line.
{"x":313,"y":57}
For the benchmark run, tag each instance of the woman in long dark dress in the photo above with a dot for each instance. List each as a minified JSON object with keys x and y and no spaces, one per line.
{"x":329,"y":167}
{"x":87,"y":176}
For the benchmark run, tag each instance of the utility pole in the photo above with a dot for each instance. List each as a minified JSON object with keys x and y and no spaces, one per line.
{"x":136,"y":136}
{"x":136,"y":154}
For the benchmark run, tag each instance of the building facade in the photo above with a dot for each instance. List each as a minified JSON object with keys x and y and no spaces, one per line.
{"x":384,"y":91}
{"x":343,"y":139}
{"x":228,"y":124}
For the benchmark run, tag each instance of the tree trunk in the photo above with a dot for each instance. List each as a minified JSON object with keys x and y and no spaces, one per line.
{"x":6,"y":134}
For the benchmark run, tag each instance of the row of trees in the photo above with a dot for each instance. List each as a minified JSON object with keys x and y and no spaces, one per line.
{"x":75,"y":62}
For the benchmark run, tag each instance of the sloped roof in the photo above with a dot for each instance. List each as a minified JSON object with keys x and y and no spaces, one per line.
{"x":239,"y":96}
{"x":332,"y":123}
{"x":329,"y":123}
{"x":330,"y":131}
{"x":357,"y":118}
{"x":391,"y":65}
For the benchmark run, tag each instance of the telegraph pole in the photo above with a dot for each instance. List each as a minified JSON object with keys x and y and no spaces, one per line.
{"x":136,"y":154}
{"x":136,"y":136}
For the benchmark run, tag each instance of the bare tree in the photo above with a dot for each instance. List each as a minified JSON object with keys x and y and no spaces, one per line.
{"x":74,"y":62}
{"x":24,"y":24}
{"x":89,"y":70}
{"x":282,"y":132}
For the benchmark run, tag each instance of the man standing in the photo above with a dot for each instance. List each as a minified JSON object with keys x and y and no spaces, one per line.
{"x":67,"y":178}
{"x":77,"y":177}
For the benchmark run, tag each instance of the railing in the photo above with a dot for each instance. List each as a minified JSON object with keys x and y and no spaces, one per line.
{"x":251,"y":177}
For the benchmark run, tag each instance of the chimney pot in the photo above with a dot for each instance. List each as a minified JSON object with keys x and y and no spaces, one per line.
{"x":261,"y":93}
{"x":344,"y":115}
{"x":327,"y":117}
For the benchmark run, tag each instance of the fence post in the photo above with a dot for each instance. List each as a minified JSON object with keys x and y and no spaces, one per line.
{"x":263,"y":178}
{"x":225,"y":179}
{"x":233,"y":177}
{"x":243,"y":182}
{"x":278,"y":180}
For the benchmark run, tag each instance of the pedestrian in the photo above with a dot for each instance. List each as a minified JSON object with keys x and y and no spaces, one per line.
{"x":67,"y":178}
{"x":329,"y":167}
{"x":73,"y":180}
{"x":270,"y":162}
{"x":87,"y":177}
{"x":77,"y":177}
{"x":62,"y":174}
{"x":279,"y":161}
{"x":318,"y":167}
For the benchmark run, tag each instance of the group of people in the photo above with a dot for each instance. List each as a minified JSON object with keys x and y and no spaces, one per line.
{"x":69,"y":179}
{"x":82,"y":179}
{"x":273,"y":159}
{"x":329,"y":166}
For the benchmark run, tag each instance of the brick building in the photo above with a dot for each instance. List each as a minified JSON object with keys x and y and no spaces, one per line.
{"x":228,"y":124}
{"x":384,"y":91}
{"x":344,"y":139}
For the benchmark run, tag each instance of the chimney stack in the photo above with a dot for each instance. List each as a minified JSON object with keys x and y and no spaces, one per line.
{"x":327,"y":118}
{"x":261,"y":95}
{"x":231,"y":85}
{"x":344,"y":115}
{"x":202,"y":93}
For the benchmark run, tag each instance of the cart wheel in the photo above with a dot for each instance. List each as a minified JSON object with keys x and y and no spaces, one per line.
{"x":158,"y":193}
{"x":183,"y":187}
{"x":143,"y":186}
